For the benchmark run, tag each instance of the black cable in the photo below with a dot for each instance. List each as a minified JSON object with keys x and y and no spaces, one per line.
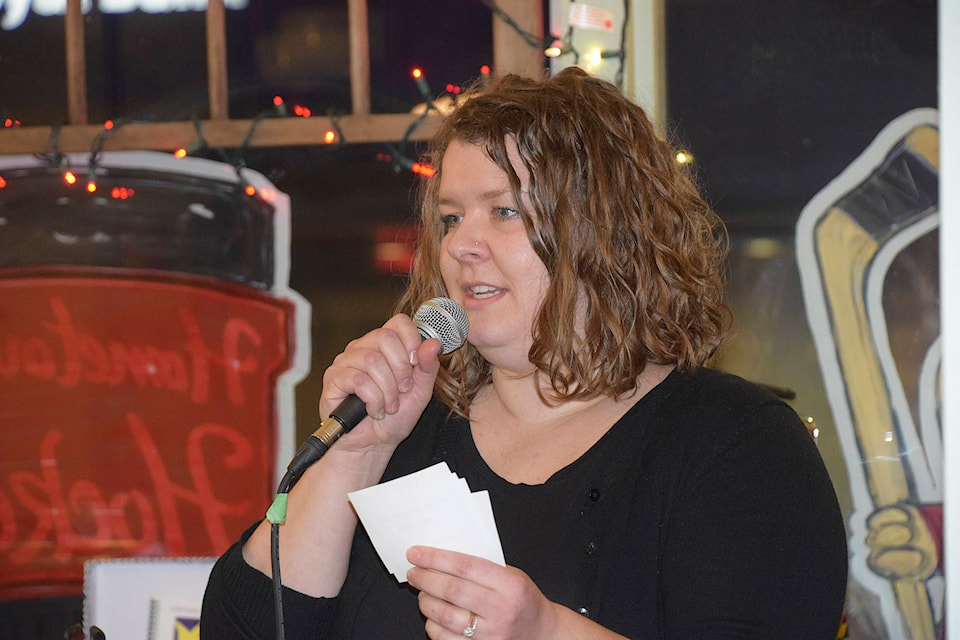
{"x":277,"y":514}
{"x":53,"y":154}
{"x":308,"y":453}
{"x":532,"y":39}
{"x":398,"y":153}
{"x":277,"y":584}
{"x":623,"y":42}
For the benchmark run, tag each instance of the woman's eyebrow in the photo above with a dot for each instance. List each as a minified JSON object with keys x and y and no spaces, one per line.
{"x":491,"y":194}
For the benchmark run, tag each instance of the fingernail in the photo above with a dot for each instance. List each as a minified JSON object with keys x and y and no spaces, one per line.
{"x":413,"y":358}
{"x":406,"y":384}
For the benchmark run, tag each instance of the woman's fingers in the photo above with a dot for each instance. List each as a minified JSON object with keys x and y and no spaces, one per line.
{"x":455,"y":586}
{"x":392,"y":371}
{"x":376,"y":368}
{"x":445,"y":619}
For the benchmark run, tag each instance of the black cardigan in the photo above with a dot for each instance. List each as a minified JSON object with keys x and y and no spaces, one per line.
{"x":705,"y":512}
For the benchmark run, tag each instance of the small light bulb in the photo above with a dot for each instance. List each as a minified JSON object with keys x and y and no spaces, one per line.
{"x":417,"y":74}
{"x":121,"y":193}
{"x":422,"y":169}
{"x":592,"y":59}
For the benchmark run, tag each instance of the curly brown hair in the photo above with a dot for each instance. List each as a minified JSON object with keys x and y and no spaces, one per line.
{"x":620,"y":225}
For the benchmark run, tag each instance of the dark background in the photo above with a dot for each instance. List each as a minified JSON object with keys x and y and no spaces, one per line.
{"x":776,"y":98}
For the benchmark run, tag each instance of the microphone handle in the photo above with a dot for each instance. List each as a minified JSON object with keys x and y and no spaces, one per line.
{"x":346,"y":416}
{"x":438,"y":318}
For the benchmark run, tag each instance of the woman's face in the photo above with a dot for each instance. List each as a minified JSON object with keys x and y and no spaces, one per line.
{"x":486,"y":259}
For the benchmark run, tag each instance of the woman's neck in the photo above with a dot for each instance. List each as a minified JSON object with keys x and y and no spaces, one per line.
{"x":524,"y":438}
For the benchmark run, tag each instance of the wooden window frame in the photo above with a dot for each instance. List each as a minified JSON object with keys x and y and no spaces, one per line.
{"x":510,"y":54}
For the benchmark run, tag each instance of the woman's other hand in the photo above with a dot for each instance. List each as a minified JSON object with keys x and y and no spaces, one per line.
{"x":455,"y":587}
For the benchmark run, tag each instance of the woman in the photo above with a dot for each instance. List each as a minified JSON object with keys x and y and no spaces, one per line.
{"x":637,"y":493}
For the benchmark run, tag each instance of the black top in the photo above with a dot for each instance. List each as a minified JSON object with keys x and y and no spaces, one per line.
{"x":705,"y":512}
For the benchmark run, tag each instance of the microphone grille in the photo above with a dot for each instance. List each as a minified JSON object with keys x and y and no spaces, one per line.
{"x":445,"y":320}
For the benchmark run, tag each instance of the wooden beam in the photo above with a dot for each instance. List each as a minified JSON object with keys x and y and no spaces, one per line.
{"x":229,"y":134}
{"x":359,"y":34}
{"x":511,"y":53}
{"x":76,"y":64}
{"x":217,"y":87}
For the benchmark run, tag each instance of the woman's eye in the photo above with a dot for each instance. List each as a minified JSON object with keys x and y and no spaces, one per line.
{"x":505,"y":213}
{"x":450,"y":220}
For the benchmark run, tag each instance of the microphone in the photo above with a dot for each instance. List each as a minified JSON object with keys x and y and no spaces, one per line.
{"x":439,"y":318}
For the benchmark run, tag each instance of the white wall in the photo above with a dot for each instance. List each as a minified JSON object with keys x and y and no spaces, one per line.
{"x":949,"y":23}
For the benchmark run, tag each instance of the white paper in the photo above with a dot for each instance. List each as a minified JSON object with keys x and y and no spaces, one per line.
{"x":433,"y":508}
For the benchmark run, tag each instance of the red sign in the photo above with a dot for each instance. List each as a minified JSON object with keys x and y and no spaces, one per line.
{"x":137,"y":418}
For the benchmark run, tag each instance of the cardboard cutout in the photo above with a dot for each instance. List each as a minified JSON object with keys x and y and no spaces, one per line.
{"x":867,"y":247}
{"x":149,"y":346}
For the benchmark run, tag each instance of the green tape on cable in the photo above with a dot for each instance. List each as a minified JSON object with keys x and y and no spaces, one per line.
{"x":277,"y":513}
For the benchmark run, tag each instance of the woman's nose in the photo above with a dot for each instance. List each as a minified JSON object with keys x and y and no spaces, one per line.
{"x":467,"y":241}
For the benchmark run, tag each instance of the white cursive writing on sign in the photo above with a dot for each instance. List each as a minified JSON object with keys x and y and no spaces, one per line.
{"x":14,"y":12}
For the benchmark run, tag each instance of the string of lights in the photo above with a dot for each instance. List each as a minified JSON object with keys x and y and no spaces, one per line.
{"x":398,"y":154}
{"x":54,"y":156}
{"x":585,"y":16}
{"x":532,"y":39}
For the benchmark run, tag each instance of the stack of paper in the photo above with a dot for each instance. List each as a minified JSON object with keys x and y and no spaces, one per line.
{"x":432,"y":508}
